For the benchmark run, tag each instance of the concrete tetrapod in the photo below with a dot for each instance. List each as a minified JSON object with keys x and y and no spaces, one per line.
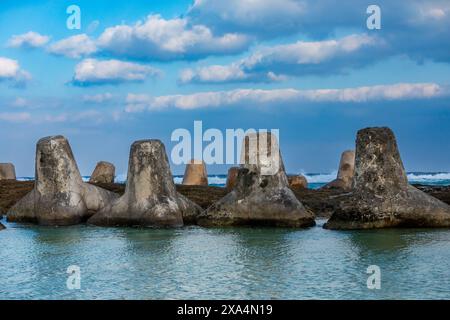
{"x":346,"y":171}
{"x":381,"y":196}
{"x":150,"y":198}
{"x":104,"y":172}
{"x":195,"y":174}
{"x":7,"y":171}
{"x":59,"y":197}
{"x":261,"y":195}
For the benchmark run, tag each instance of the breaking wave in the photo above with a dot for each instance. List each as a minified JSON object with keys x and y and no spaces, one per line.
{"x":315,"y":179}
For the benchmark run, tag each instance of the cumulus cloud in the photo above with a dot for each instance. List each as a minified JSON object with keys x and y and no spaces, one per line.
{"x":74,"y":47}
{"x":159,"y":39}
{"x":298,"y":59}
{"x":30,"y":39}
{"x":10,"y":71}
{"x":401,"y":91}
{"x":97,"y":72}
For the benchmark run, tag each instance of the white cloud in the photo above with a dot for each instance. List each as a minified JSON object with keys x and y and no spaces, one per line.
{"x":93,"y":116}
{"x":161,"y":39}
{"x":10,"y":71}
{"x":92,"y":71}
{"x":137,"y":102}
{"x":214,"y":74}
{"x":15,"y":117}
{"x":74,"y":47}
{"x":400,"y":91}
{"x":8,"y":68}
{"x":98,"y":98}
{"x":30,"y":39}
{"x":299,"y":58}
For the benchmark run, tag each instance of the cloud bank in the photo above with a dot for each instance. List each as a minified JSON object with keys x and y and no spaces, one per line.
{"x":216,"y":99}
{"x":296,"y":59}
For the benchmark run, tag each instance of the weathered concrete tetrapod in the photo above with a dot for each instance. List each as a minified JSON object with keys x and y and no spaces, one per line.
{"x":150,"y":198}
{"x":59,"y":197}
{"x":195,"y":174}
{"x":232,"y":177}
{"x":7,"y":171}
{"x":345,"y":174}
{"x":298,"y":181}
{"x":381,"y":196}
{"x":104,"y":172}
{"x":261,"y":195}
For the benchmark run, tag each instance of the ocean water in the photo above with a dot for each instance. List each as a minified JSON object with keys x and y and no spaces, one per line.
{"x":315,"y":180}
{"x":230,"y":263}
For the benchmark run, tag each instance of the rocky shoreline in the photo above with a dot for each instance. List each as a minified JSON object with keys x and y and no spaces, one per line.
{"x":321,"y":201}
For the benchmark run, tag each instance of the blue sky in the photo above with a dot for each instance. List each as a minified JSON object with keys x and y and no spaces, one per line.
{"x":141,"y":69}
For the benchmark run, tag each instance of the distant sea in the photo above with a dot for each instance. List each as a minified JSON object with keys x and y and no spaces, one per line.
{"x":315,"y":180}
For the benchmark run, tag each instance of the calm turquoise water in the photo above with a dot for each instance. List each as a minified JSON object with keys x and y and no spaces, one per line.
{"x":240,"y":263}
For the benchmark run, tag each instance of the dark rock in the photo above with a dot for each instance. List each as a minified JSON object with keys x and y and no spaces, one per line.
{"x":150,"y":198}
{"x":59,"y":197}
{"x":104,"y":172}
{"x":2,"y":227}
{"x":262,"y":195}
{"x":381,"y":196}
{"x":322,"y":202}
{"x":345,"y":175}
{"x":440,"y":192}
{"x":195,"y":174}
{"x":204,"y":196}
{"x":7,"y":171}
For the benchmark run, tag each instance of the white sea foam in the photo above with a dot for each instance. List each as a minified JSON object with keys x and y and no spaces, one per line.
{"x":217,"y":180}
{"x":178,"y":180}
{"x":320,"y":177}
{"x":438,"y":178}
{"x":25,"y":178}
{"x":435,"y":178}
{"x":212,"y":180}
